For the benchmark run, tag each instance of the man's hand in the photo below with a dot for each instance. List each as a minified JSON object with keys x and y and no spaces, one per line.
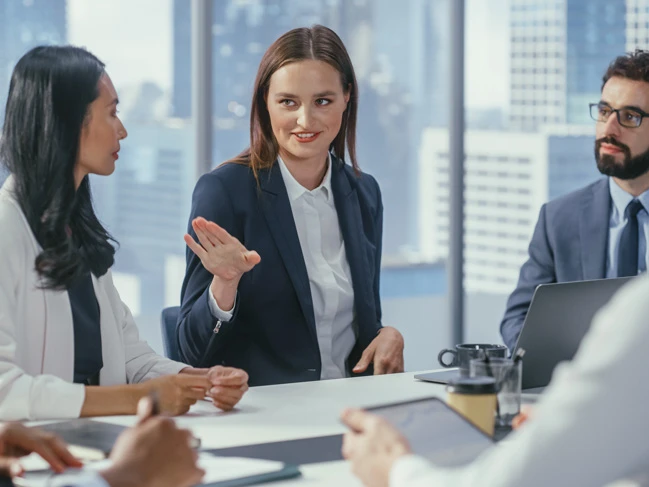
{"x":372,"y":446}
{"x":17,"y":440}
{"x":385,"y":351}
{"x":527,"y":412}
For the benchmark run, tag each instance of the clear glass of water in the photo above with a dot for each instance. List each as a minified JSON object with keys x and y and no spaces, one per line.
{"x":508,"y":376}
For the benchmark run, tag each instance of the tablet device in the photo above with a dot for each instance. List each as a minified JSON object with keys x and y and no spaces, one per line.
{"x":435,"y":431}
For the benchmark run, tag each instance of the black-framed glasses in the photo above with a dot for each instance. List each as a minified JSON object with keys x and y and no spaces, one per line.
{"x":626,"y":116}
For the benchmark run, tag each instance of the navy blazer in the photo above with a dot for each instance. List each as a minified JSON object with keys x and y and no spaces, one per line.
{"x":569,"y":244}
{"x":272,"y":334}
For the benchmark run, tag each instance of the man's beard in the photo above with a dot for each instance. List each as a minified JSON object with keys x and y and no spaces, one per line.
{"x":629,"y":168}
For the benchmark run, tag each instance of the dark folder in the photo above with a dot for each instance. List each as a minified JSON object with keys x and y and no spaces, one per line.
{"x":102,"y":436}
{"x":86,"y":433}
{"x":297,"y":452}
{"x":287,"y":472}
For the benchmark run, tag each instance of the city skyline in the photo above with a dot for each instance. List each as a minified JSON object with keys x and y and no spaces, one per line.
{"x":509,"y":174}
{"x":105,"y":30}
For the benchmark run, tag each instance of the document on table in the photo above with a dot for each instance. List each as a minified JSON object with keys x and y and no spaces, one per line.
{"x":217,"y":469}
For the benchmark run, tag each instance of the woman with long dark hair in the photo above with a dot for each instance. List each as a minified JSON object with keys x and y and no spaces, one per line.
{"x":285,"y":240}
{"x":68,"y":345}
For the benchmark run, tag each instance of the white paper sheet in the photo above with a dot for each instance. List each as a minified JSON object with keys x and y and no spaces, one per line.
{"x":217,"y":469}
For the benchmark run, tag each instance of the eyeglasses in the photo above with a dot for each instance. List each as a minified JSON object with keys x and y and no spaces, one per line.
{"x":627,"y":117}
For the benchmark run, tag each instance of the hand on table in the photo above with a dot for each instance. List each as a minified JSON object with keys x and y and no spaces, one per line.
{"x":228,"y":386}
{"x":385,"y":351}
{"x":178,"y":392}
{"x":17,"y":440}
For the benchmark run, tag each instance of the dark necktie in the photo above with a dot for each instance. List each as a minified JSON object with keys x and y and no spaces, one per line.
{"x":627,"y":252}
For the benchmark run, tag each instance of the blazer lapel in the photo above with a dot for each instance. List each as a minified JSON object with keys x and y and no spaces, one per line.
{"x":57,"y":327}
{"x":58,"y":353}
{"x":276,"y":208}
{"x":351,"y":228}
{"x":593,"y":230}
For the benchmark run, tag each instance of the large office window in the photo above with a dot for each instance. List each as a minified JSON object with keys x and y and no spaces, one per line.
{"x":145,"y":203}
{"x":531,"y":68}
{"x":400,"y":55}
{"x":555,"y":55}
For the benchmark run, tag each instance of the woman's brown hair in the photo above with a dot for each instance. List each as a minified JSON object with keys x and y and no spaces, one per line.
{"x":318,"y":43}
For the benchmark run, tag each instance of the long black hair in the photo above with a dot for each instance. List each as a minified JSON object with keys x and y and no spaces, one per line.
{"x":50,"y":94}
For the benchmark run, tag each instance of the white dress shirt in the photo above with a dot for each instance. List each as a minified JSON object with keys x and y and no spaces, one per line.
{"x":590,"y":426}
{"x":323,"y":249}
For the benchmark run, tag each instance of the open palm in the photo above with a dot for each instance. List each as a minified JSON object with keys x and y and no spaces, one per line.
{"x":221,"y":253}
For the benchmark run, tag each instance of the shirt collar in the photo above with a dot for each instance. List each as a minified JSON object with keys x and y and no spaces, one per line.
{"x":295,"y":189}
{"x":621,"y":198}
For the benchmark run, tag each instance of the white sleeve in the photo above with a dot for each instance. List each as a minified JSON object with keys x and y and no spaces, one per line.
{"x":414,"y":471}
{"x":216,"y":310}
{"x":142,"y":363}
{"x":79,"y":479}
{"x":23,"y":396}
{"x":586,"y":428}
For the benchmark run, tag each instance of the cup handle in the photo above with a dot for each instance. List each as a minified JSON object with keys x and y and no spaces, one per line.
{"x":440,"y":358}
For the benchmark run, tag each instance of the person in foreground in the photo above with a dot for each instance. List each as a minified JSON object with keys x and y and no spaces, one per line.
{"x":154,"y":453}
{"x":68,"y":345}
{"x":599,"y":231}
{"x":284,"y":243}
{"x":587,"y":428}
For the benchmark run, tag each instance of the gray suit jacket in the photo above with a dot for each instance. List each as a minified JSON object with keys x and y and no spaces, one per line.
{"x":569,"y":244}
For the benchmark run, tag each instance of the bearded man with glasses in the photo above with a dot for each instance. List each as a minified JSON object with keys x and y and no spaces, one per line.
{"x":599,"y":231}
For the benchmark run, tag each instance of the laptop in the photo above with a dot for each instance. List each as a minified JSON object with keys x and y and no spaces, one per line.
{"x":559,"y":316}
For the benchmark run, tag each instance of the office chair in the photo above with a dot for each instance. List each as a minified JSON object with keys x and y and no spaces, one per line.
{"x":168,"y":321}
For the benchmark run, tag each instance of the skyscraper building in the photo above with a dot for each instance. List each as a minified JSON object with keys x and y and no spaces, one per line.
{"x":559,"y":51}
{"x":25,"y":24}
{"x":509,"y":175}
{"x":399,"y":55}
{"x":145,"y":204}
{"x":637,"y":24}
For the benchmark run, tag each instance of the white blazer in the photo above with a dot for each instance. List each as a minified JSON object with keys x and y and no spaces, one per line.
{"x":37,"y":336}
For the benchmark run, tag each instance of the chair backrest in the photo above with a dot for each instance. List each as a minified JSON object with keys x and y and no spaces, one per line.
{"x":168,"y":322}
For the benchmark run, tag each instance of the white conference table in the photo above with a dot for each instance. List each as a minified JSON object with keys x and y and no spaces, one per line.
{"x":292,"y":411}
{"x":301,"y":410}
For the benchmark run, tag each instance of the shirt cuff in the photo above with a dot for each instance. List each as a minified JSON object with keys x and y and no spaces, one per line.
{"x":79,"y":479}
{"x":408,"y":469}
{"x":217,"y":312}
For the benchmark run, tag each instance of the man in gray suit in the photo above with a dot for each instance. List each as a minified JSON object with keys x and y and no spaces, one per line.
{"x":599,"y":231}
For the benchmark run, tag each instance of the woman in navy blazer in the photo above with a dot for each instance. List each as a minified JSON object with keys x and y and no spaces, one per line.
{"x":287,"y":236}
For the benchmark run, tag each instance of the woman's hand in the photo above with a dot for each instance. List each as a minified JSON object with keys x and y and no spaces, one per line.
{"x":228,"y":386}
{"x":223,"y":256}
{"x":385,"y":352}
{"x":178,"y":392}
